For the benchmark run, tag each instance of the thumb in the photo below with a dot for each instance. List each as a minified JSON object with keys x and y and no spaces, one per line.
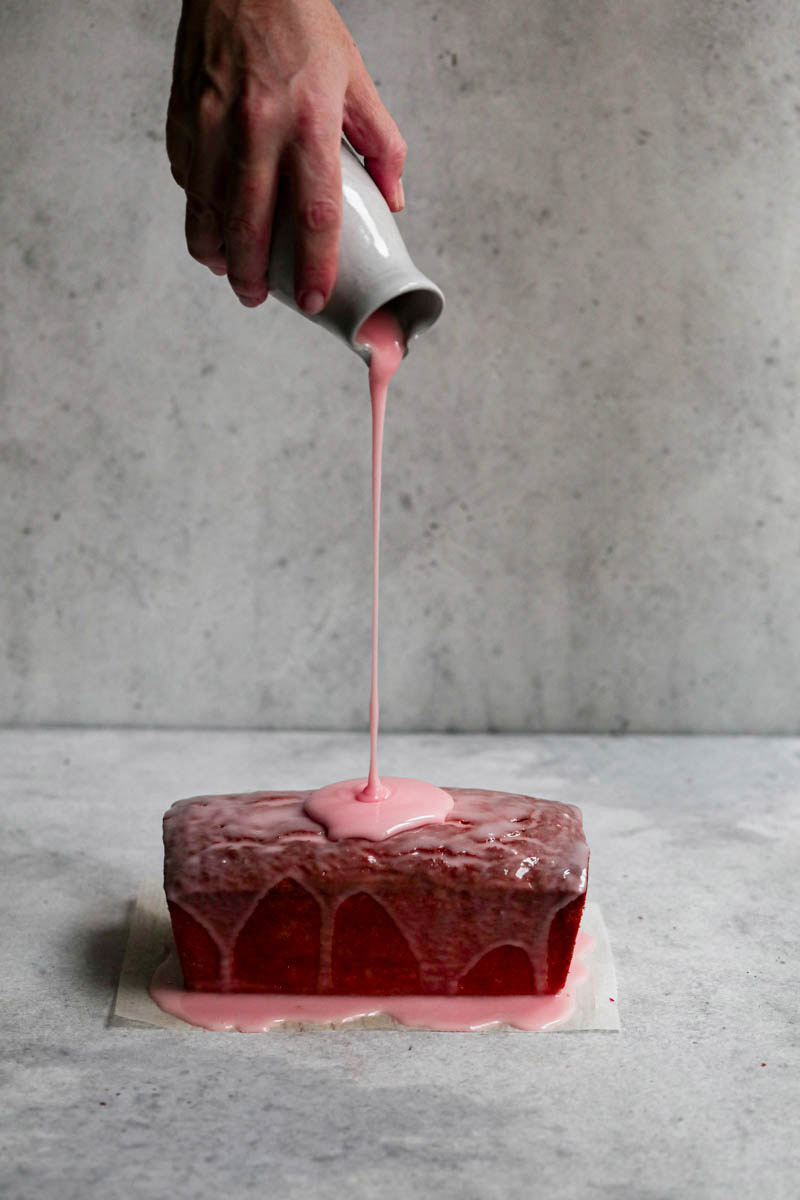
{"x":372,"y":132}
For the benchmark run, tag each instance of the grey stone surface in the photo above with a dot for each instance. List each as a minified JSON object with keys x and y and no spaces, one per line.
{"x":694,"y":862}
{"x":592,"y":494}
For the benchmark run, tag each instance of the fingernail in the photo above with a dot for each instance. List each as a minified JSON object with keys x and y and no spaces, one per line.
{"x":400,"y":194}
{"x":216,"y":269}
{"x":312,"y":302}
{"x":251,"y":301}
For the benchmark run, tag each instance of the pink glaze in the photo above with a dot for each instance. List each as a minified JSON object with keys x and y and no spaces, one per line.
{"x":406,"y":804}
{"x":384,"y":337}
{"x":225,"y":1012}
{"x":224,"y":853}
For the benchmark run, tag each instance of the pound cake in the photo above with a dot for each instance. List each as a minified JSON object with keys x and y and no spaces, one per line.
{"x":487,"y":902}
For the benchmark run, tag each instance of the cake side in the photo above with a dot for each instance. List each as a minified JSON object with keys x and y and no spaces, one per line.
{"x":488,"y":901}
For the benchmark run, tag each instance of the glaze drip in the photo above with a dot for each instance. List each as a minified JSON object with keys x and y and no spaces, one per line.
{"x":466,"y":1014}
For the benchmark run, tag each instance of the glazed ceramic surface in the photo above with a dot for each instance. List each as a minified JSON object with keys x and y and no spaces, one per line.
{"x":375,"y":268}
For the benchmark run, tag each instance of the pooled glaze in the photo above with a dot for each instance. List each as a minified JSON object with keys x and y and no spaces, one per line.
{"x":405,"y":804}
{"x":236,"y":848}
{"x":225,"y":1012}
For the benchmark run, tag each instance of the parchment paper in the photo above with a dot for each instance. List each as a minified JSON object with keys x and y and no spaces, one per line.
{"x":150,"y":941}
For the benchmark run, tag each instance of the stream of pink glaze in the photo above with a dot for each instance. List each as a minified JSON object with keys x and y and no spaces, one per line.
{"x":384,"y":337}
{"x":248,"y":1013}
{"x":396,"y":804}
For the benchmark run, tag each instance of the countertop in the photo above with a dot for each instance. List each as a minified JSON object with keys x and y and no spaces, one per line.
{"x":694,"y":862}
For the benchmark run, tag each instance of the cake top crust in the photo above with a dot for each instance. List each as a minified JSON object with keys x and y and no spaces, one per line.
{"x":248,"y":842}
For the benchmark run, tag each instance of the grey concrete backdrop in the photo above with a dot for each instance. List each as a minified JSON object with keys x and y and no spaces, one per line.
{"x":592,"y":485}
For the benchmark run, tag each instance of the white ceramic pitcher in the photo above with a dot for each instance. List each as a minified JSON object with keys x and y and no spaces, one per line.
{"x":375,"y":269}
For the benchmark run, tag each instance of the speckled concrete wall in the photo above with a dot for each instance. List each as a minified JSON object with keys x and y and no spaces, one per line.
{"x":592,"y":465}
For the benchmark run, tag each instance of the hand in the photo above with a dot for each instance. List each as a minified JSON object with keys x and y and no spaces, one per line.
{"x":262,"y":89}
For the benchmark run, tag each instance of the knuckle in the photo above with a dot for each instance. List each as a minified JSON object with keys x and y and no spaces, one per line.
{"x":200,"y":249}
{"x":320,"y":216}
{"x":176,"y":114}
{"x":258,"y":112}
{"x":179,"y":149}
{"x":356,"y":126}
{"x":176,"y":140}
{"x":397,"y":150}
{"x":249,"y":189}
{"x":312,"y":119}
{"x":199,"y":214}
{"x":210,"y":109}
{"x":253,"y":113}
{"x":241,"y":230}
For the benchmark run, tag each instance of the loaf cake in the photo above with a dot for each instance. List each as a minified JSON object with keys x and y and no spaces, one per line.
{"x":488,"y":902}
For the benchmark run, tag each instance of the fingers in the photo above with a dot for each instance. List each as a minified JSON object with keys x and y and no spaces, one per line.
{"x":251,"y":200}
{"x":317,"y":198}
{"x":204,"y":237}
{"x":179,"y":140}
{"x":179,"y":121}
{"x":372,"y":132}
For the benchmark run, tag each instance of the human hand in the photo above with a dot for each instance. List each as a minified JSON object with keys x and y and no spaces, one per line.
{"x":261,"y":91}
